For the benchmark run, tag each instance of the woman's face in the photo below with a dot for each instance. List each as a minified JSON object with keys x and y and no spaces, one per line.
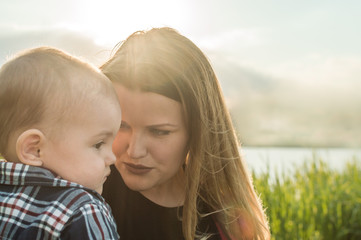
{"x":150,"y":146}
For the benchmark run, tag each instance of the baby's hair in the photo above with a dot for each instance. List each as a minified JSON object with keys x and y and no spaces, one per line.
{"x":41,"y":87}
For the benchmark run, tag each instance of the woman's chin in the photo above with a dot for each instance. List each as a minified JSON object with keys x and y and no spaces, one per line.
{"x":135,"y":182}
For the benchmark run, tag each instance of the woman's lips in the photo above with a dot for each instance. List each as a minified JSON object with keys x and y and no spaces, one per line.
{"x":137,"y":168}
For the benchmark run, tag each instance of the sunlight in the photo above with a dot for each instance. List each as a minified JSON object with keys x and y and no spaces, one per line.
{"x":110,"y":21}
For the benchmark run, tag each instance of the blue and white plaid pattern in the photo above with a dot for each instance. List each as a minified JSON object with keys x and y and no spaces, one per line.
{"x":36,"y":204}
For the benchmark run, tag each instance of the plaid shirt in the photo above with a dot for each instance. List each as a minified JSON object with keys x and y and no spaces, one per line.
{"x":36,"y":204}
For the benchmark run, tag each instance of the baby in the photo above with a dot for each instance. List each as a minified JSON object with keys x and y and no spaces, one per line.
{"x":58,"y":118}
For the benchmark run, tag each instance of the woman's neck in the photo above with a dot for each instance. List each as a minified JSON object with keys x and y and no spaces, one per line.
{"x":170,"y":194}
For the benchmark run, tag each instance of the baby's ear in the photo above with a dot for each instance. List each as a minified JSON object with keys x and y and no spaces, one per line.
{"x":28,"y":147}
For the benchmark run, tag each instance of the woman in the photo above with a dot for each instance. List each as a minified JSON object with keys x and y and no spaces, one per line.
{"x":179,"y":174}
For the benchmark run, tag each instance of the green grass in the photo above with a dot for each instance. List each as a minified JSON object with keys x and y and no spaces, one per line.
{"x":314,"y":202}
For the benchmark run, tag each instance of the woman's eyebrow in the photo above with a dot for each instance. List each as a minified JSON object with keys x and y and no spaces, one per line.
{"x":163,"y":125}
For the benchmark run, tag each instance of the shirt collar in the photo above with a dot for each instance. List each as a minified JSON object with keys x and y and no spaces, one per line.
{"x":21,"y":174}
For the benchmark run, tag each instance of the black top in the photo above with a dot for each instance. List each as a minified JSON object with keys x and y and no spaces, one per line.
{"x":138,"y":218}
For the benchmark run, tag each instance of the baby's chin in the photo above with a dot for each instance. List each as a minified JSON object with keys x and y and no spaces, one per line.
{"x":99,"y":190}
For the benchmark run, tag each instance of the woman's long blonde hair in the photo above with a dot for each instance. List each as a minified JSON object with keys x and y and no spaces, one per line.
{"x":165,"y":62}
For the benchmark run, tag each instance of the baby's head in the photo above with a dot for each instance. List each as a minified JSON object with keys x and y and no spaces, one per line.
{"x":60,"y":113}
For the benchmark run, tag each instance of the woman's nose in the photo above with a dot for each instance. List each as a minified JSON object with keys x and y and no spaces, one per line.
{"x":136,"y":146}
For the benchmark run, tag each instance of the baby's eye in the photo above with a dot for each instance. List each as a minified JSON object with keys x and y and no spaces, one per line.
{"x":99,"y":145}
{"x":159,"y":132}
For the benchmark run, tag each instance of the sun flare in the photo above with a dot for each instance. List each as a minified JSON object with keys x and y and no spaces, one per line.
{"x":110,"y":21}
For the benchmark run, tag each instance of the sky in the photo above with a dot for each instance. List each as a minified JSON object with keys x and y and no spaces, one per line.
{"x":308,"y":52}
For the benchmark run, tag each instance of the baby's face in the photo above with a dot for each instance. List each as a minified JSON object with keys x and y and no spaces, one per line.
{"x":83,"y":151}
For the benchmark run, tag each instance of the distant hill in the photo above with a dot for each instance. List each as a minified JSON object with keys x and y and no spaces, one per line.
{"x":281,"y":112}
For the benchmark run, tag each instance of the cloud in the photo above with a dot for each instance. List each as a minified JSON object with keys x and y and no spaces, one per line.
{"x":14,"y":39}
{"x":322,"y":74}
{"x":238,"y":38}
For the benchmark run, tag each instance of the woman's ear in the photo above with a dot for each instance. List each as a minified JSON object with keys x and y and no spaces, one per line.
{"x":28,"y":147}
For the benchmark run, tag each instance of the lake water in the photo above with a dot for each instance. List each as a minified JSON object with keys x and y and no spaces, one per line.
{"x":288,"y":159}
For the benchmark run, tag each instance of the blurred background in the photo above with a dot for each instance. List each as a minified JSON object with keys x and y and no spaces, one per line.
{"x":290,"y":70}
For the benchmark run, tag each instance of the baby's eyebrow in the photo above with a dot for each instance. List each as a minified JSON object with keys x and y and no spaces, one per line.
{"x":105,"y":134}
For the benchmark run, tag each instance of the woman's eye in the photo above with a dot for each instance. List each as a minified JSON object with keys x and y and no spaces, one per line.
{"x":99,"y":145}
{"x":159,"y":132}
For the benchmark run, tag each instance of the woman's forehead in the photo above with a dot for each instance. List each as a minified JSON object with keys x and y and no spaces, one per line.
{"x":148,"y":106}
